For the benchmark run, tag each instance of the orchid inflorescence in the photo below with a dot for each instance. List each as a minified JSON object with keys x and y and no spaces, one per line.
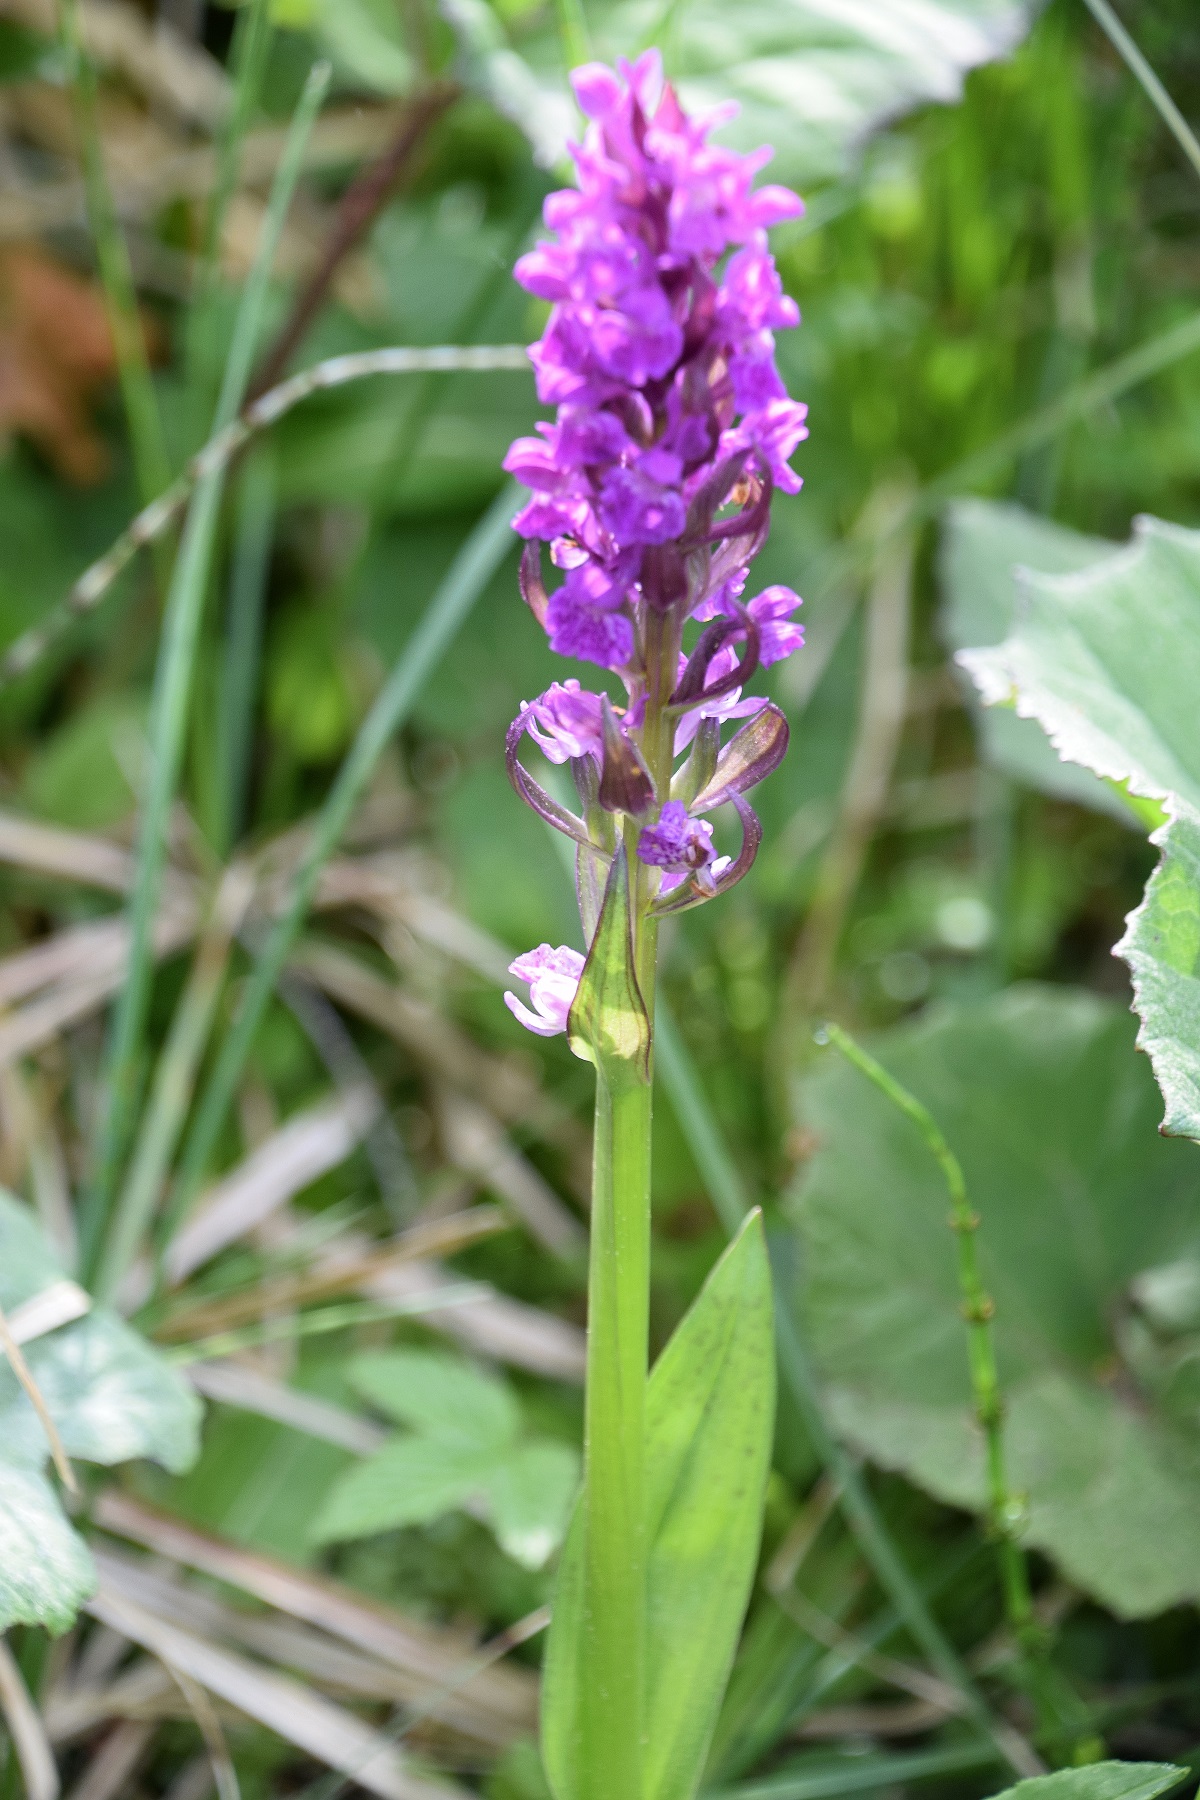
{"x":652,"y":488}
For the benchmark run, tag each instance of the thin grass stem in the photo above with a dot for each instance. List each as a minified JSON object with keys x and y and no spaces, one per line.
{"x":249,"y":569}
{"x":150,"y":524}
{"x":573,"y":31}
{"x":172,"y":1087}
{"x":731,"y":1197}
{"x":252,"y":37}
{"x":469,"y":574}
{"x":1159,"y":98}
{"x":172,"y":689}
{"x":150,"y":457}
{"x":1005,"y":1512}
{"x":1058,"y":1708}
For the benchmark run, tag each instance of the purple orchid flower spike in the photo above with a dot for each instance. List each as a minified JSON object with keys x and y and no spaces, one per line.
{"x":652,"y":488}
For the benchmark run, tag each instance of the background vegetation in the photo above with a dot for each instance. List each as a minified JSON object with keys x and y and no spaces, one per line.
{"x":381,"y":1301}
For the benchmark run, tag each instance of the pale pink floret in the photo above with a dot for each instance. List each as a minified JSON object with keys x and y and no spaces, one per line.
{"x":553,"y":977}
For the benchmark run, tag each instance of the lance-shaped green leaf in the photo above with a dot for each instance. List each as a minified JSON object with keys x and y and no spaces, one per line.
{"x":1107,"y":660}
{"x":1101,"y":1781}
{"x":709,"y":1424}
{"x":1162,"y":947}
{"x":609,"y":1024}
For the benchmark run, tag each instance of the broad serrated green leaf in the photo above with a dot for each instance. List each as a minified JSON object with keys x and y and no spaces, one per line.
{"x":709,"y":1420}
{"x":46,"y":1570}
{"x":529,"y":1496}
{"x":1108,"y":662}
{"x":608,"y":1023}
{"x":111,"y":1396}
{"x":440,"y":1396}
{"x":1053,"y":1119}
{"x":409,"y":1482}
{"x":983,"y":544}
{"x":1162,"y":947}
{"x":811,"y":77}
{"x":1100,"y":1781}
{"x":464,"y":1450}
{"x":364,"y":41}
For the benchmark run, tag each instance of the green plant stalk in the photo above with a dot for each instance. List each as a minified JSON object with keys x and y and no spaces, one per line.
{"x":614,"y":1459}
{"x":133,"y":369}
{"x":978,"y":1309}
{"x":729,"y":1195}
{"x":172,"y":689}
{"x":466,"y":579}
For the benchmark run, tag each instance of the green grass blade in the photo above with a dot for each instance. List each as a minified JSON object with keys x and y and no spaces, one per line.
{"x":1159,"y":98}
{"x":731,"y":1198}
{"x":820,"y":1778}
{"x":252,"y":37}
{"x":133,"y":370}
{"x":469,"y":574}
{"x":172,"y":688}
{"x":243,"y":641}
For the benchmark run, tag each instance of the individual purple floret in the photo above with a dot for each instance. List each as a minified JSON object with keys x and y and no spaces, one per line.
{"x":553,"y":976}
{"x":670,"y":407}
{"x":565,"y":722}
{"x":677,"y":842}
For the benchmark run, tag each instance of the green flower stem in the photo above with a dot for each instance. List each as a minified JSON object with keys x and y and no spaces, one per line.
{"x":618,"y":1323}
{"x":618,"y":1314}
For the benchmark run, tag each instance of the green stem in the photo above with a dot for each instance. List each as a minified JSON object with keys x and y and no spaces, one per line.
{"x":172,"y":690}
{"x":618,"y":1314}
{"x":133,"y":369}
